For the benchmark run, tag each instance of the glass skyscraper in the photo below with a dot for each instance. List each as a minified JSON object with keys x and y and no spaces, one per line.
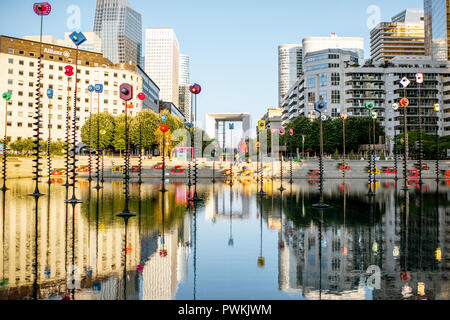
{"x":437,"y":29}
{"x":120,"y":28}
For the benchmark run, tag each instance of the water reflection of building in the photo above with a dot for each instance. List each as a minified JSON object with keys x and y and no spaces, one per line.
{"x":225,"y":200}
{"x":392,"y":242}
{"x":99,"y":247}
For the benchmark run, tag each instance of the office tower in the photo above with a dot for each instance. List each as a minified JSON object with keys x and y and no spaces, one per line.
{"x":93,"y":42}
{"x":437,"y":29}
{"x":184,"y":97}
{"x":120,"y":28}
{"x":313,"y":44}
{"x":162,"y":61}
{"x":290,"y":62}
{"x":403,"y":36}
{"x":409,"y":15}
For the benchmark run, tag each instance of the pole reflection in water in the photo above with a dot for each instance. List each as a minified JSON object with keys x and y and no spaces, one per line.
{"x":231,"y":240}
{"x":320,"y":254}
{"x":4,"y":279}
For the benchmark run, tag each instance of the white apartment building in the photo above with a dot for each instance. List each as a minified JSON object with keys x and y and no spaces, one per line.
{"x":290,"y":67}
{"x":185,"y":96}
{"x":162,"y":62}
{"x":353,"y":44}
{"x":93,"y":42}
{"x":382,"y":86}
{"x":323,"y":77}
{"x":18,"y":65}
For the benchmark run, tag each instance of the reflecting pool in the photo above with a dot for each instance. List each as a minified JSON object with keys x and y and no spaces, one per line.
{"x":234,"y":244}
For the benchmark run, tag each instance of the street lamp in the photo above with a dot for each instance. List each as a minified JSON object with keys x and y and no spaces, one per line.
{"x":404,"y":102}
{"x":344,"y":117}
{"x":195,"y":89}
{"x":41,"y":9}
{"x":437,"y":108}
{"x":321,"y":106}
{"x":98,"y":89}
{"x":395,"y":107}
{"x":231,"y":127}
{"x":77,"y":38}
{"x":6,"y":96}
{"x":369,"y":107}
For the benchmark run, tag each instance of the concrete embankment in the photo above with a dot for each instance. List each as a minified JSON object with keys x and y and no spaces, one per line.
{"x":113,"y":168}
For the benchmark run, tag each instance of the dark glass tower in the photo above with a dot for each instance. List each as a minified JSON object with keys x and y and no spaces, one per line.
{"x":437,"y":29}
{"x":120,"y":28}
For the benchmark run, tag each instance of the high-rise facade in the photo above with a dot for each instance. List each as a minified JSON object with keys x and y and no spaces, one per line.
{"x":162,"y":62}
{"x":120,"y":28}
{"x":313,"y":44}
{"x":184,"y":95}
{"x":404,"y":36}
{"x":290,"y":67}
{"x":437,"y":29}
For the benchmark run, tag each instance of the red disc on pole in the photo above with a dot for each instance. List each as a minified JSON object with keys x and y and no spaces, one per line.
{"x":404,"y":102}
{"x":68,"y":71}
{"x":42,"y":9}
{"x":195,"y":89}
{"x":164,"y":128}
{"x":141,"y":96}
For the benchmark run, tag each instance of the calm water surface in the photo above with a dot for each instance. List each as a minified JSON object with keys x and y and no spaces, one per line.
{"x":234,"y":244}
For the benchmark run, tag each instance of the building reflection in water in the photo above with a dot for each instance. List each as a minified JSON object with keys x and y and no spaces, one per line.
{"x":320,"y":254}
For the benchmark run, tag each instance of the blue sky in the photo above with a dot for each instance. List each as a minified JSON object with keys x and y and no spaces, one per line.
{"x":232,"y":44}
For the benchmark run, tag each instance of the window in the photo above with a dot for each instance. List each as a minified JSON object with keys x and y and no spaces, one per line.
{"x":10,"y":61}
{"x":323,"y":95}
{"x":21,"y":52}
{"x":30,"y":94}
{"x":20,"y":73}
{"x":30,"y":125}
{"x":20,"y":93}
{"x":10,"y":82}
{"x":11,"y":51}
{"x":311,"y":82}
{"x":335,"y":96}
{"x":31,"y":64}
{"x":323,"y":79}
{"x":21,"y":62}
{"x":10,"y":71}
{"x":31,"y":54}
{"x":335,"y":79}
{"x":311,"y":98}
{"x":31,"y":74}
{"x":19,"y":124}
{"x":50,"y":67}
{"x":59,"y":126}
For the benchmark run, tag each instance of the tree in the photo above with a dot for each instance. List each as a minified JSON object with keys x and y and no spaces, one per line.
{"x":107,"y":125}
{"x":150,"y":123}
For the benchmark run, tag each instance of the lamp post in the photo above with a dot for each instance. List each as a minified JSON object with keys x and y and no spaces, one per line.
{"x":321,"y":106}
{"x":344,"y":117}
{"x":369,"y":107}
{"x":374,"y":116}
{"x":419,"y":81}
{"x":77,"y":38}
{"x":91,"y":90}
{"x":231,"y":127}
{"x":41,"y":9}
{"x":68,"y":73}
{"x":195,"y":90}
{"x":141,"y":97}
{"x":98,"y":88}
{"x":49,"y":156}
{"x":164,"y":128}
{"x":6,"y":96}
{"x":437,"y":108}
{"x":404,"y":102}
{"x":395,"y":107}
{"x":126,"y":94}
